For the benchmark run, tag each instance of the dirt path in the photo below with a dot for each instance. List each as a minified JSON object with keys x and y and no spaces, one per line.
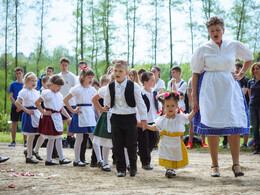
{"x":67,"y":179}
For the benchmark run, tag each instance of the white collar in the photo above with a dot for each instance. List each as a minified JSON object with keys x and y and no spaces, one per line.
{"x":123,"y":84}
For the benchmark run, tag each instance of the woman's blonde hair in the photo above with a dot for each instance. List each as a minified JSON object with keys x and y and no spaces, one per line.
{"x":136,"y":77}
{"x":253,"y":68}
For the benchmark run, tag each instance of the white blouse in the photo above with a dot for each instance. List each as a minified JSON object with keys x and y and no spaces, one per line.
{"x":52,"y":100}
{"x":159,"y":85}
{"x":172,"y":125}
{"x":211,"y":58}
{"x":28,"y":96}
{"x":83,"y":95}
{"x":102,"y":91}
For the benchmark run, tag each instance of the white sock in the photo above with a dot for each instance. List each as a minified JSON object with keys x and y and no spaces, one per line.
{"x":39,"y":143}
{"x":30,"y":145}
{"x":96,"y":148}
{"x":126,"y":157}
{"x":59,"y":148}
{"x":77,"y":145}
{"x":49,"y":149}
{"x":105,"y":151}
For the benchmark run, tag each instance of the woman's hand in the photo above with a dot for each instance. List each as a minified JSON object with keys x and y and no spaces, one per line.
{"x":195,"y":104}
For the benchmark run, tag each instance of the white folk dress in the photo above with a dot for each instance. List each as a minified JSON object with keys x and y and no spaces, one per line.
{"x":172,"y":152}
{"x":223,"y":110}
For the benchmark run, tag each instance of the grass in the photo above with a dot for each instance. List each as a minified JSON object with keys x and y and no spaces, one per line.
{"x":6,"y":137}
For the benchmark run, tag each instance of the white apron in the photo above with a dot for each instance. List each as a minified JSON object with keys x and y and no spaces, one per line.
{"x":87,"y":117}
{"x":109,"y":114}
{"x":57,"y":120}
{"x":170,"y":148}
{"x":221,"y":101}
{"x":35,"y":118}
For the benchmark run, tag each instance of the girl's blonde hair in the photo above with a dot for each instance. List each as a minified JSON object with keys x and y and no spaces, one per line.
{"x":253,"y":68}
{"x":136,"y":77}
{"x":28,"y":77}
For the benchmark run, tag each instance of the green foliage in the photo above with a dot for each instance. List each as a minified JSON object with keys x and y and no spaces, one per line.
{"x":4,"y":121}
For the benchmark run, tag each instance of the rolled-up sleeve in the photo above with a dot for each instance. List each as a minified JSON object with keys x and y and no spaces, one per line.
{"x":197,"y":62}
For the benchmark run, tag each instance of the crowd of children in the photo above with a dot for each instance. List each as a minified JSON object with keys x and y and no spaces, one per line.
{"x":128,"y":114}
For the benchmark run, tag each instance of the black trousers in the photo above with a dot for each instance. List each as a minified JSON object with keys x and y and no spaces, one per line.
{"x":146,"y":142}
{"x":124,"y":134}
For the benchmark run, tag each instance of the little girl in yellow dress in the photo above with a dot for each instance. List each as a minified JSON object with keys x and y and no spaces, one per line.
{"x":172,"y":152}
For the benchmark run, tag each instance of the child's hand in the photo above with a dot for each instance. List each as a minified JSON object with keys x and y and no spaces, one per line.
{"x":77,"y":111}
{"x":30,"y":112}
{"x":47,"y":113}
{"x":104,"y":109}
{"x":139,"y":124}
{"x":144,"y":124}
{"x":173,"y":80}
{"x":18,"y":110}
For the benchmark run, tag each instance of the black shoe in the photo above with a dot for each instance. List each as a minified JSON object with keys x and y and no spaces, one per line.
{"x":25,"y":144}
{"x":100,"y":164}
{"x":147,"y":167}
{"x":64,"y":161}
{"x":256,"y":151}
{"x":51,"y":163}
{"x":12,"y":144}
{"x":3,"y":159}
{"x":217,"y":174}
{"x":79,"y":164}
{"x":25,"y":153}
{"x":170,"y":173}
{"x":237,"y":174}
{"x":31,"y":160}
{"x":106,"y":168}
{"x":93,"y":165}
{"x":128,"y":168}
{"x":121,"y":174}
{"x":133,"y":172}
{"x":37,"y":155}
{"x":243,"y":146}
{"x":84,"y":161}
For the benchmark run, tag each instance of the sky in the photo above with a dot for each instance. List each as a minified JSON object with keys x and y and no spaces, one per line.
{"x":60,"y":32}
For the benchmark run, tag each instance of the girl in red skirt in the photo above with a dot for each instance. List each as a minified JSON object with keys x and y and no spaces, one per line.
{"x":50,"y":125}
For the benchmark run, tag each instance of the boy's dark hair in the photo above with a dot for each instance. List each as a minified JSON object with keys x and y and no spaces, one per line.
{"x":85,"y":72}
{"x":239,"y":64}
{"x":50,"y":67}
{"x":18,"y":69}
{"x":64,"y":60}
{"x":57,"y":80}
{"x":141,"y":71}
{"x":158,"y":69}
{"x":83,"y":62}
{"x":45,"y":78}
{"x":146,"y":76}
{"x":176,"y":68}
{"x":104,"y":78}
{"x":95,"y":82}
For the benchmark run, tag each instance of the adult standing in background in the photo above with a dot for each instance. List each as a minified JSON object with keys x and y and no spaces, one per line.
{"x":254,"y":103}
{"x":217,"y":96}
{"x":160,"y":84}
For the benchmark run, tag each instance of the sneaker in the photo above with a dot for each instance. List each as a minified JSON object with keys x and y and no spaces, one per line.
{"x":25,"y":144}
{"x":189,"y":145}
{"x":204,"y":145}
{"x":12,"y":144}
{"x":243,"y":146}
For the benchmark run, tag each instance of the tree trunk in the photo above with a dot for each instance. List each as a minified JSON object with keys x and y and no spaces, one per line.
{"x":77,"y":36}
{"x":107,"y":34}
{"x":6,"y":23}
{"x":240,"y":21}
{"x":41,"y":40}
{"x":81,"y":29}
{"x":191,"y":26}
{"x":170,"y":22}
{"x":93,"y":35}
{"x":16,"y":33}
{"x":156,"y":31}
{"x":128,"y":31}
{"x":133,"y":47}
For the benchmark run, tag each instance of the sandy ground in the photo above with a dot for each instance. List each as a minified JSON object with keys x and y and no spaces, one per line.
{"x":66,"y":179}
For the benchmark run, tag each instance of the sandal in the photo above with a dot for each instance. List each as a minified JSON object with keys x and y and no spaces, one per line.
{"x":239,"y":173}
{"x":217,"y":174}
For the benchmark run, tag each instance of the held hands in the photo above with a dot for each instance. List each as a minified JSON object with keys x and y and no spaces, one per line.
{"x":195,"y":104}
{"x":104,"y":109}
{"x":144,"y":124}
{"x":77,"y":111}
{"x":237,"y":77}
{"x":18,"y":110}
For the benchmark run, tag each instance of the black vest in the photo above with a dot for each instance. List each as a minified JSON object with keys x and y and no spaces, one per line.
{"x":147,"y":102}
{"x":129,"y":94}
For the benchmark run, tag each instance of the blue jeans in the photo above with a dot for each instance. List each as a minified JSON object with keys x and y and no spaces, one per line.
{"x":255,"y":119}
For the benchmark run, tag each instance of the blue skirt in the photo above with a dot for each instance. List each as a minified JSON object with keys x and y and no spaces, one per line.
{"x":74,"y":126}
{"x":26,"y":125}
{"x":202,"y":129}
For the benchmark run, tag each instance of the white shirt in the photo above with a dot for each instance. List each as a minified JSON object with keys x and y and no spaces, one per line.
{"x":102,"y":91}
{"x":120,"y":105}
{"x":151,"y":115}
{"x":159,"y":85}
{"x":52,"y":100}
{"x":69,"y":82}
{"x":83,"y":95}
{"x":181,"y":89}
{"x":28,"y":96}
{"x":211,"y":58}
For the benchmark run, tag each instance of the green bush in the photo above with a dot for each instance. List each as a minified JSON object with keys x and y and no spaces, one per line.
{"x":4,"y":121}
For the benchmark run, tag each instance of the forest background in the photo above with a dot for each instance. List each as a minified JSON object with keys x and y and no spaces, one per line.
{"x":37,"y":33}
